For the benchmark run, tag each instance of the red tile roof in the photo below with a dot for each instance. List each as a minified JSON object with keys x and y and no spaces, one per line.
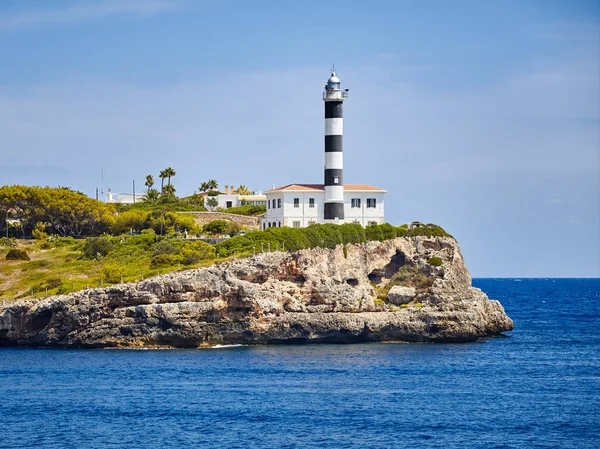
{"x":309,"y":187}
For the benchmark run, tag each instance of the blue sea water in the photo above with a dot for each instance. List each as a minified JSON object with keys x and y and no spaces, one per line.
{"x":539,"y":386}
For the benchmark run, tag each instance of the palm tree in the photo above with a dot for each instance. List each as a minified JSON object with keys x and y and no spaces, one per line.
{"x":151,"y":196}
{"x":149,"y":181}
{"x":162,"y":176}
{"x":169,"y":172}
{"x":203,"y":187}
{"x":212,"y":184}
{"x":242,"y":190}
{"x":169,"y":190}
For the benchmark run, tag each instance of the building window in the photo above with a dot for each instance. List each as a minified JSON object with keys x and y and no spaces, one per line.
{"x":371,"y":223}
{"x":279,"y":203}
{"x":355,"y":202}
{"x":371,"y":202}
{"x":311,"y":202}
{"x":336,"y":180}
{"x":228,"y":204}
{"x":273,"y":206}
{"x":356,"y":222}
{"x":264,"y":226}
{"x":296,"y":202}
{"x":312,"y":222}
{"x":296,"y":224}
{"x":268,"y":204}
{"x":278,"y":224}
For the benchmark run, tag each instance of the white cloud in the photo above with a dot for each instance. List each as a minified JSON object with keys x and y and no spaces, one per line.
{"x":83,"y":11}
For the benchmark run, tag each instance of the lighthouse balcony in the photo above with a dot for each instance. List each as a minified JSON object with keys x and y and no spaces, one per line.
{"x":335,"y":94}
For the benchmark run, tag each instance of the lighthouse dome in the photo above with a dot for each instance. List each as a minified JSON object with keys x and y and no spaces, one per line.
{"x":333,"y":78}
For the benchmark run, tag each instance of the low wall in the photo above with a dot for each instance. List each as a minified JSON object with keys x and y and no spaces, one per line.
{"x":203,"y":218}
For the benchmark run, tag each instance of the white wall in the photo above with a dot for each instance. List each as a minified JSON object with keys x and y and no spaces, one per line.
{"x":364,"y":214}
{"x":287,"y":214}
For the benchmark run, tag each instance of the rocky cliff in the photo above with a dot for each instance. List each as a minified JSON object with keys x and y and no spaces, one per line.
{"x":410,"y":289}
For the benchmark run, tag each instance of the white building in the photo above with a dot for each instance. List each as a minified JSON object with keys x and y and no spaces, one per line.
{"x":123,"y":198}
{"x":300,"y":205}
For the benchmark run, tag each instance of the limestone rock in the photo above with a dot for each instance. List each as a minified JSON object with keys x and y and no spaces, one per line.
{"x":401,"y":295}
{"x":315,"y":295}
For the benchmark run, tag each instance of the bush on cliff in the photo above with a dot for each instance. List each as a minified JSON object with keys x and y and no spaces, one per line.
{"x":96,"y":247}
{"x":374,"y":232}
{"x":317,"y":235}
{"x":352,"y":233}
{"x":435,"y":261}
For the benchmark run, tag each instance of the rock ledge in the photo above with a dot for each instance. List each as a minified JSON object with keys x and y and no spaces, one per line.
{"x":373,"y":291}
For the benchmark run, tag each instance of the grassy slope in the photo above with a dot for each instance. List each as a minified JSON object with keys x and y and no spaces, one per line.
{"x":64,"y":264}
{"x":58,"y":266}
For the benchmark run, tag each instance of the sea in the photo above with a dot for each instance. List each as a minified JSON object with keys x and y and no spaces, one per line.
{"x":535,"y":387}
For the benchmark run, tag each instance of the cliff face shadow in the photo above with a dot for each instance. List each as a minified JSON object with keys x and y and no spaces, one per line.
{"x":396,"y":262}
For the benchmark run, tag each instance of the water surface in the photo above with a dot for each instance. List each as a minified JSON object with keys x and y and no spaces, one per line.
{"x":536,"y":387}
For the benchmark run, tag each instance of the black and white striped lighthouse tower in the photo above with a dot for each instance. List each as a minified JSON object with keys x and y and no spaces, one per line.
{"x":334,"y":161}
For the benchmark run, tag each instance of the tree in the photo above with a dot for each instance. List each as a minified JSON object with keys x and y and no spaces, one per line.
{"x":151,"y":196}
{"x":149,"y":181}
{"x":162,"y":175}
{"x":204,"y":187}
{"x":168,"y":173}
{"x":212,"y":184}
{"x":242,"y":190}
{"x":62,"y":210}
{"x":169,"y":190}
{"x":211,"y":202}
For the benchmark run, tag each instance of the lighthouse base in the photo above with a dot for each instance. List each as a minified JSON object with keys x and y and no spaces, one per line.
{"x":333,"y":211}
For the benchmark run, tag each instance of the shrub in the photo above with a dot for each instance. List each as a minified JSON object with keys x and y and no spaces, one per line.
{"x":17,"y":254}
{"x":10,"y":242}
{"x":388,"y":231}
{"x":190,"y":256}
{"x":112,"y":273}
{"x":352,"y":233}
{"x":129,"y":219}
{"x":221,"y":227}
{"x":96,"y":246}
{"x":374,"y":232}
{"x":248,"y":209}
{"x":205,"y":250}
{"x":39,"y":232}
{"x":163,"y":260}
{"x":435,"y":261}
{"x":410,"y":276}
{"x":164,"y":247}
{"x":52,"y":283}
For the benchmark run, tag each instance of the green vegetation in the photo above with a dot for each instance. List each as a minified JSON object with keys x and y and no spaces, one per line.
{"x":141,"y":242}
{"x":221,"y":227}
{"x":410,"y":276}
{"x":435,"y":261}
{"x":317,"y":235}
{"x":64,"y":264}
{"x":248,"y":209}
{"x":60,"y":211}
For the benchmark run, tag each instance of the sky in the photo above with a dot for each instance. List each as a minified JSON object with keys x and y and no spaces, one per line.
{"x":480,"y":116}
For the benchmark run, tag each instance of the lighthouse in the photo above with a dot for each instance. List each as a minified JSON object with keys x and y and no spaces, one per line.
{"x":334,"y":97}
{"x":302,"y":205}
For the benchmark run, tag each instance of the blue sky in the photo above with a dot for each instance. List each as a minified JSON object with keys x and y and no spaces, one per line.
{"x":481,"y":116}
